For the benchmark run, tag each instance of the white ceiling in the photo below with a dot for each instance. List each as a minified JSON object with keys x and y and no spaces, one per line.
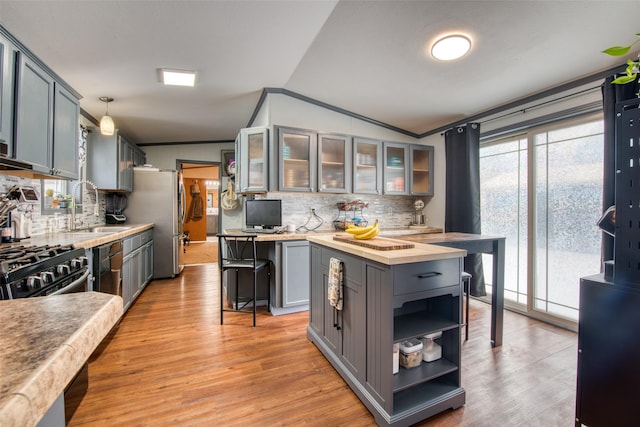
{"x":368,"y":57}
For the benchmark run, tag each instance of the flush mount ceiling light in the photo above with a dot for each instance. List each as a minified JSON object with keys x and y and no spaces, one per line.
{"x":107,"y":126}
{"x":177,"y":77}
{"x":451,"y":47}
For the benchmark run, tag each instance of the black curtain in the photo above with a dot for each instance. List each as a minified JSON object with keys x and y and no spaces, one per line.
{"x":462,"y":210}
{"x":610,"y":95}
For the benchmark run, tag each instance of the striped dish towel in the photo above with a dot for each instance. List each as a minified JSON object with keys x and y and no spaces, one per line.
{"x":335,"y":283}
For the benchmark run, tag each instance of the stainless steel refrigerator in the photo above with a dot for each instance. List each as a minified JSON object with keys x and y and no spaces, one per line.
{"x":158,"y":198}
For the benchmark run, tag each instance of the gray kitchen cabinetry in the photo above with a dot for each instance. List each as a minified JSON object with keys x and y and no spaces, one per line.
{"x":295,"y":273}
{"x":47,"y":120}
{"x":421,"y":161}
{"x":367,"y":170}
{"x":109,"y":161}
{"x":137,"y":265}
{"x":297,"y":164}
{"x":343,"y":332}
{"x":6,"y":95}
{"x":383,"y":305}
{"x":334,"y":163}
{"x":252,"y":160}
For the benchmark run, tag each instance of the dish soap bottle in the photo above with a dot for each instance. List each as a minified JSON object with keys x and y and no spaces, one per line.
{"x":431,"y":350}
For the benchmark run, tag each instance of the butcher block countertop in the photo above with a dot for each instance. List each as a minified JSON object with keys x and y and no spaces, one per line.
{"x":44,"y":343}
{"x":420,"y":252}
{"x":302,"y":235}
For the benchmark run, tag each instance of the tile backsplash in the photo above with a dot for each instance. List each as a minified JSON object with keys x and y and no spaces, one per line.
{"x":42,"y":224}
{"x":390,"y":211}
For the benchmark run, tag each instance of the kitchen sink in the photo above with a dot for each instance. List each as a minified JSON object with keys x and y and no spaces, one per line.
{"x":101,"y":229}
{"x":109,"y":229}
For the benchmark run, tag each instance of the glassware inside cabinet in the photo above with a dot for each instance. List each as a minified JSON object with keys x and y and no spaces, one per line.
{"x":333,"y":166}
{"x":257,"y":160}
{"x":366,"y":162}
{"x":394,"y":173}
{"x":296,"y":150}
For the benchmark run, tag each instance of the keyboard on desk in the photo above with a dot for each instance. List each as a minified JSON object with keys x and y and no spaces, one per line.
{"x":260,"y":230}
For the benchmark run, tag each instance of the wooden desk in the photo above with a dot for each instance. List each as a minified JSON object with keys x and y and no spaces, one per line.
{"x":476,"y":243}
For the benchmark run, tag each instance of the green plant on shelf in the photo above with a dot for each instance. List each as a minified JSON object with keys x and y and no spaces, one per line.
{"x":633,"y":66}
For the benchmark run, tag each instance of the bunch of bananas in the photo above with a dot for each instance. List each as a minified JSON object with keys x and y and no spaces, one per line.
{"x":364,"y":233}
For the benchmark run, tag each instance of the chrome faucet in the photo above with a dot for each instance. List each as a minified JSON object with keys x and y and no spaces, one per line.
{"x":96,"y":209}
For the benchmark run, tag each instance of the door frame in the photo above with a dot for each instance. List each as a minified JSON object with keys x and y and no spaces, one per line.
{"x":180,"y":162}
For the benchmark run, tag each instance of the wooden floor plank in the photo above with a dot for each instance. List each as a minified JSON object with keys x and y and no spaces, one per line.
{"x":170,"y":363}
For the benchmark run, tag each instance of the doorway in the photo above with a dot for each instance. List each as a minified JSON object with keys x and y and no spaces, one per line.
{"x":202,"y":221}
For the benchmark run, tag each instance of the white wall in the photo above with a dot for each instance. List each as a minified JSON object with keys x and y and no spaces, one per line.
{"x":287,"y":111}
{"x":165,"y":156}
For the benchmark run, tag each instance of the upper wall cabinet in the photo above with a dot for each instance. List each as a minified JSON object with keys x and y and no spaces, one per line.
{"x":45,"y":113}
{"x":6,"y":95}
{"x":252,"y":169}
{"x":396,"y":168}
{"x":334,"y":163}
{"x":109,"y":161}
{"x":421,"y":162}
{"x":65,"y":133}
{"x":34,"y":115}
{"x":367,"y":173}
{"x":297,"y":150}
{"x":292,"y":159}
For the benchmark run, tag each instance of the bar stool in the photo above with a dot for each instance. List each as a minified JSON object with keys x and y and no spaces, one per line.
{"x":466,"y":280}
{"x":238,"y":252}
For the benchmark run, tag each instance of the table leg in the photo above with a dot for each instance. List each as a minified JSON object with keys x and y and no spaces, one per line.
{"x":497,"y":297}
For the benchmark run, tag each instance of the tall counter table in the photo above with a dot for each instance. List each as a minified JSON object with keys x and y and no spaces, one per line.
{"x":45,"y":342}
{"x":476,"y":244}
{"x":390,"y":296}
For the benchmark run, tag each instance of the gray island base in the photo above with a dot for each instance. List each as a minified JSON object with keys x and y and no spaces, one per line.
{"x":390,"y":297}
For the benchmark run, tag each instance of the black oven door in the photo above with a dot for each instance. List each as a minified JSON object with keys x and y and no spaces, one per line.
{"x":79,"y":282}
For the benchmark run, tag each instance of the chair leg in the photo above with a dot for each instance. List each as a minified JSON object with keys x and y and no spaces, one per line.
{"x":255,"y":302}
{"x":221,"y":297}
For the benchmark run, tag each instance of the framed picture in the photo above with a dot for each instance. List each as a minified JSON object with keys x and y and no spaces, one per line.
{"x":228,"y":162}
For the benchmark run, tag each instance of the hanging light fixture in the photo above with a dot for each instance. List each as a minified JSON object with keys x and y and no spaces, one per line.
{"x":107,"y":126}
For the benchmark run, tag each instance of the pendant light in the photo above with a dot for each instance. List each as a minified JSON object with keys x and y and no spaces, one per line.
{"x":107,"y":126}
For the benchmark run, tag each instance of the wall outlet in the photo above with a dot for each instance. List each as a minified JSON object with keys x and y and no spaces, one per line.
{"x":390,"y":210}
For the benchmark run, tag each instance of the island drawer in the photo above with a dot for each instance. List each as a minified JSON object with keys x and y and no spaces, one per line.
{"x":426,"y":276}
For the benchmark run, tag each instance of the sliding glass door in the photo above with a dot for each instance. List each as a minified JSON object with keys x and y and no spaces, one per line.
{"x":543,"y":191}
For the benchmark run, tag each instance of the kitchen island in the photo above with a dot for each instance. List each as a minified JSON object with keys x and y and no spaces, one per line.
{"x":390,"y":296}
{"x":45,"y":342}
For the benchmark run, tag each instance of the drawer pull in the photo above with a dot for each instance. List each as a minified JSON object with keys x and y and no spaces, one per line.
{"x":429,"y":274}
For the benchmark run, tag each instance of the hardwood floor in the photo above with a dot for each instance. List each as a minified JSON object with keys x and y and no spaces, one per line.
{"x":170,"y":363}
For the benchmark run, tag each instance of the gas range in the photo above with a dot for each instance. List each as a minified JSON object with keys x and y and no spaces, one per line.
{"x":30,"y":271}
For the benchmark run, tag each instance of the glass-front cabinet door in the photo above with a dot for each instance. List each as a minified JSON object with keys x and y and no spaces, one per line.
{"x":422,"y":170}
{"x":254,"y":160}
{"x":334,"y":165}
{"x":396,"y":172}
{"x":367,"y":176}
{"x":297,"y":159}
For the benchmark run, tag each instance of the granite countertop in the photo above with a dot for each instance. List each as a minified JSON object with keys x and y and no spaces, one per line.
{"x":85,"y":238}
{"x":44,"y":343}
{"x":420,"y":252}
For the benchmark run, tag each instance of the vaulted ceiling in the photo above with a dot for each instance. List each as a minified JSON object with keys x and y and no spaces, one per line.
{"x":367,"y":57}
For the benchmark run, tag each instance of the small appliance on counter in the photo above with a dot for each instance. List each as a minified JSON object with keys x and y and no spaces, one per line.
{"x":418,"y":220}
{"x":116,"y":203}
{"x":21,"y":224}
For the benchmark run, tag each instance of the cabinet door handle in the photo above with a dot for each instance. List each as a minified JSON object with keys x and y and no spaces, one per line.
{"x":429,"y":274}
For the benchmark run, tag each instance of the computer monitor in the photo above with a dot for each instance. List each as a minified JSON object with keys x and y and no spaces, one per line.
{"x":265,"y":213}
